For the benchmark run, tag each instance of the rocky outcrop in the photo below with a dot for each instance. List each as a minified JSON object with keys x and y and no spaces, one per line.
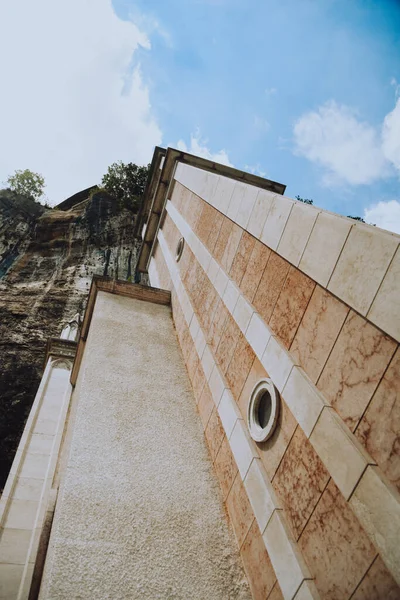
{"x":47,"y":259}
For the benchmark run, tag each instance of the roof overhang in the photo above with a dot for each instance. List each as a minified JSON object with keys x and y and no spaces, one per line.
{"x":160,"y":178}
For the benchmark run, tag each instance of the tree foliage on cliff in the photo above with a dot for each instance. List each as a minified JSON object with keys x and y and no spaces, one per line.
{"x":126,"y":183}
{"x":26,"y":183}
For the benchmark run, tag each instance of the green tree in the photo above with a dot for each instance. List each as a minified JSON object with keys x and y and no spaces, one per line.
{"x":126,"y":183}
{"x":26,"y":183}
{"x":305,"y":200}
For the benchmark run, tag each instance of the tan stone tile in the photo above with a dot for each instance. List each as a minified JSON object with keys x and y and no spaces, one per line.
{"x":378,"y":584}
{"x":291,"y":305}
{"x":385,"y":309}
{"x":270,"y":285}
{"x":324,"y":246}
{"x":299,"y":481}
{"x":15,"y":545}
{"x":208,"y":307}
{"x":276,"y":593}
{"x":231,"y":247}
{"x":217,"y":325}
{"x":318,"y":331}
{"x":193,"y":211}
{"x":186,"y":261}
{"x":362,"y":265}
{"x":242,"y":257}
{"x":205,"y":406}
{"x":222,"y":239}
{"x":303,"y":399}
{"x":254,"y":270}
{"x":205,"y":222}
{"x":243,"y":447}
{"x":21,"y":514}
{"x":336,"y":548}
{"x":239,"y":510}
{"x":10,"y":579}
{"x":354,"y":368}
{"x":214,"y":432}
{"x":215,"y":231}
{"x":227,"y":344}
{"x":225,"y":466}
{"x":239,"y":367}
{"x":259,"y":571}
{"x":379,"y":429}
{"x":199,"y":381}
{"x":192,"y":363}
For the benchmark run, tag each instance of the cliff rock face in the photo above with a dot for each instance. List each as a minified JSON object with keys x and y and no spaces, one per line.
{"x":47,"y":259}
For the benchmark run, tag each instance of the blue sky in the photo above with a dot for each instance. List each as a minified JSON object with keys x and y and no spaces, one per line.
{"x":303,"y":92}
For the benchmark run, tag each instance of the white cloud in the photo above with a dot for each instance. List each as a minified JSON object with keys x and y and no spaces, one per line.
{"x":391,"y":136}
{"x":348,"y":149}
{"x":260,"y":124}
{"x":199,"y":147}
{"x":256,"y":170}
{"x":384,"y":214}
{"x":71,"y":102}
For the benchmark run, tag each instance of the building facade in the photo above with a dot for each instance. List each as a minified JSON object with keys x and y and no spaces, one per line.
{"x":269,"y":334}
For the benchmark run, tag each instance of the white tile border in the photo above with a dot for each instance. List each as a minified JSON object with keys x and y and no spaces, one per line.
{"x":286,"y":375}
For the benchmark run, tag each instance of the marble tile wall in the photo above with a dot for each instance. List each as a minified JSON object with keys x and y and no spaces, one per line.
{"x":313,"y":325}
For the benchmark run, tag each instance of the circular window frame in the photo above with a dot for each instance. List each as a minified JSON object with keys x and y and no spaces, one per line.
{"x":179,"y":249}
{"x":257,"y":432}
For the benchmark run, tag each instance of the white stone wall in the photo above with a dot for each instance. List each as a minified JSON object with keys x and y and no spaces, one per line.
{"x":139,"y":514}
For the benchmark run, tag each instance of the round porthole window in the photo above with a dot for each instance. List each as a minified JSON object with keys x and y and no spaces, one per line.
{"x":263,"y":410}
{"x":179,"y":249}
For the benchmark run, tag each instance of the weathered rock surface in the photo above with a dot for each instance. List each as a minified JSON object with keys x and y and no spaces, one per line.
{"x":47,"y":259}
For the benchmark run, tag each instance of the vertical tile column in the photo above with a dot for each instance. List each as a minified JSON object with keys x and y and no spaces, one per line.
{"x":26,"y":495}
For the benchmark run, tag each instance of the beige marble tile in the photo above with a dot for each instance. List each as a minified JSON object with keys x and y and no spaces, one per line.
{"x":285,"y":557}
{"x":239,"y":510}
{"x":261,"y":493}
{"x":259,"y":571}
{"x":223,"y":193}
{"x":231,"y":247}
{"x":239,"y":367}
{"x":297,"y":231}
{"x":254,"y":270}
{"x":214,"y":433}
{"x":35,"y":465}
{"x":291,"y":305}
{"x":340,"y":451}
{"x":276,"y":593}
{"x":276,"y":220}
{"x":299,"y":481}
{"x":225,"y":467}
{"x":243,"y":313}
{"x":231,"y":296}
{"x":303,"y":399}
{"x":270,"y":286}
{"x":362,"y":265}
{"x":222,"y":240}
{"x":27,"y":488}
{"x":377,"y":506}
{"x":242,"y":257}
{"x":385,"y":309}
{"x":379,"y":428}
{"x":10,"y":579}
{"x":218,"y":324}
{"x":377,"y":584}
{"x":259,"y":213}
{"x":205,"y":406}
{"x":324,"y":246}
{"x":318,"y":331}
{"x":354,"y":368}
{"x":227,"y":344}
{"x":336,"y":548}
